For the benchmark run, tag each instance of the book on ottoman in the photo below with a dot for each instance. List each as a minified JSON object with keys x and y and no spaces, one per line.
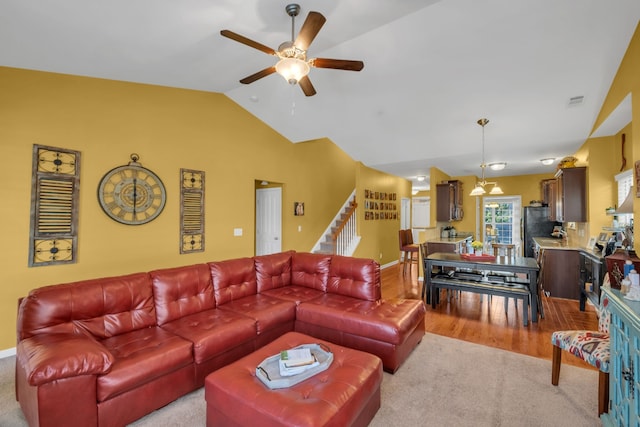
{"x":274,"y":372}
{"x":296,"y":361}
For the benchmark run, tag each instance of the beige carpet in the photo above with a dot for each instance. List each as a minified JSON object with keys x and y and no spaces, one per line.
{"x":445,"y":382}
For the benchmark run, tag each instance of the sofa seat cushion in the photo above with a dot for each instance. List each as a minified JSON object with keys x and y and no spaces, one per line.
{"x":294,"y":293}
{"x":141,"y":356}
{"x":213,"y":332}
{"x":233,"y":279}
{"x":267,"y":311}
{"x":273,"y":270}
{"x":388,"y":321}
{"x":310,"y":270}
{"x":181,"y":291}
{"x":354,"y":277}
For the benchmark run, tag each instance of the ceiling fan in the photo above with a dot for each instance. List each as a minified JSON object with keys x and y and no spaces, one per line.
{"x":293,"y":64}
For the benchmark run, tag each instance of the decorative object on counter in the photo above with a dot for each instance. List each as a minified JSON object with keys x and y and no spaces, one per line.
{"x":633,"y":292}
{"x":535,"y":203}
{"x":477,"y":247}
{"x":479,"y":189}
{"x":616,"y":265}
{"x":478,"y":257}
{"x":567,"y":162}
{"x":558,"y":232}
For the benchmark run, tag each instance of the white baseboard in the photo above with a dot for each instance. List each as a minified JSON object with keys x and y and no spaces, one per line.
{"x":389,"y":264}
{"x":7,"y":353}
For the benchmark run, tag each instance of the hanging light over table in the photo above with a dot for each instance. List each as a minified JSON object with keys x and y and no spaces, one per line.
{"x":479,"y":189}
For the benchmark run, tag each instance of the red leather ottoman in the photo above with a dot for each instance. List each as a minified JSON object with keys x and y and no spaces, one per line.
{"x":346,"y":394}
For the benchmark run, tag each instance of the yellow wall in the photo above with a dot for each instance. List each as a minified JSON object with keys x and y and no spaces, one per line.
{"x":606,"y":153}
{"x":379,"y":237}
{"x":170,"y":129}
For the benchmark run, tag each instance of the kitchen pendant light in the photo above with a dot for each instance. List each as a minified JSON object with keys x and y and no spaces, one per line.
{"x":479,"y":189}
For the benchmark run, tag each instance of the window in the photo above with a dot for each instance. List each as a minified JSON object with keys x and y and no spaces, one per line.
{"x":502,"y":220}
{"x":625,"y":182}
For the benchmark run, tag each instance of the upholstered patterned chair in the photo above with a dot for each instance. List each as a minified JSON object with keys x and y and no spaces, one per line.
{"x":592,"y":347}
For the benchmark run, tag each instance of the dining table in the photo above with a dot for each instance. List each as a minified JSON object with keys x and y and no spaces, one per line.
{"x":513,"y":276}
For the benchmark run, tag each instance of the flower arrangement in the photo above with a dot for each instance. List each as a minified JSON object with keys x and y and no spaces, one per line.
{"x":476,"y":244}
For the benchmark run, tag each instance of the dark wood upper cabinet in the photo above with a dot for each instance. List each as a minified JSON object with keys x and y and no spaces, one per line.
{"x":449,"y":201}
{"x":549,"y":190}
{"x":571,"y":197}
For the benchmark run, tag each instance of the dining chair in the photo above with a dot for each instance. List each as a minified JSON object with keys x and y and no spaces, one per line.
{"x":409,"y":251}
{"x":509,"y":251}
{"x":507,"y":248}
{"x":591,"y":346}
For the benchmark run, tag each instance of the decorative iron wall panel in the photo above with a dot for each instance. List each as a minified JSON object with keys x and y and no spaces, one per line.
{"x":191,"y":211}
{"x":55,"y":188}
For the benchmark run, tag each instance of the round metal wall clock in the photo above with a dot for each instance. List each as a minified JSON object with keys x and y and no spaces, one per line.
{"x":132,"y":194}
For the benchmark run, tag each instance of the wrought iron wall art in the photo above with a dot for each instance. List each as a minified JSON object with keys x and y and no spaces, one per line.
{"x":55,"y":188}
{"x":191,"y":211}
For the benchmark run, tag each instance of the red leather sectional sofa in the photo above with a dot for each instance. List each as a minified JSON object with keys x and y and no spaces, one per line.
{"x":107,"y":351}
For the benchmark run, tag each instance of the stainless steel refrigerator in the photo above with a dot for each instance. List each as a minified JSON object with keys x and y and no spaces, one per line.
{"x":535,"y":223}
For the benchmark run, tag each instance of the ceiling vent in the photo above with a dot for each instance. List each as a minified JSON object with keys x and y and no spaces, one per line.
{"x":574,"y":101}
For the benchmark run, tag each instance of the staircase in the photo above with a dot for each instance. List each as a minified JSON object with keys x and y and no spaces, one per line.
{"x":341,"y":237}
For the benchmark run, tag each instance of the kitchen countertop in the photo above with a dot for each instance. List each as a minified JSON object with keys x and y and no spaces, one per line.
{"x":460,"y":236}
{"x":563,"y":244}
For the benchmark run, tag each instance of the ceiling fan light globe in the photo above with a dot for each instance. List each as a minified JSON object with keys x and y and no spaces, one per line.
{"x":292,"y":69}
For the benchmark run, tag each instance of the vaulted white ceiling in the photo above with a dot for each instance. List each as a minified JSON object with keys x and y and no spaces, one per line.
{"x":432,"y":69}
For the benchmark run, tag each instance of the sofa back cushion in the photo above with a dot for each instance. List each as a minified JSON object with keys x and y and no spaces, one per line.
{"x":182,"y":291}
{"x":233,"y":279}
{"x":273,"y":271}
{"x":102,"y":307}
{"x":355,"y":277}
{"x":310,"y":270}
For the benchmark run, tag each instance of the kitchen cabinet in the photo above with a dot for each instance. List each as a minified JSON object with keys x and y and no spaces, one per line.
{"x":457,"y":244}
{"x":592,"y":271}
{"x":549,"y":195}
{"x":624,"y":377}
{"x":449,"y":201}
{"x":561,"y":273}
{"x":571,"y":195}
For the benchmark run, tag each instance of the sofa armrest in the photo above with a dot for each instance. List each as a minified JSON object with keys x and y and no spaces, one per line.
{"x":49,"y":357}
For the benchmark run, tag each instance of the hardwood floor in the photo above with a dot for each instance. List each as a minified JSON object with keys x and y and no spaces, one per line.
{"x":472,"y":317}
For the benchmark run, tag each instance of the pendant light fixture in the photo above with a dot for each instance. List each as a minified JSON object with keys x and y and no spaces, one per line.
{"x":479,"y":189}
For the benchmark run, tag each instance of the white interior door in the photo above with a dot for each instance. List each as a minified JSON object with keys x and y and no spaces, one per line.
{"x":268,"y":220}
{"x":405,"y":213}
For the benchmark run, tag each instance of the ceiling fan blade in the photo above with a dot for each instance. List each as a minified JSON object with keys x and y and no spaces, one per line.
{"x":338,"y":64}
{"x":306,"y":86}
{"x":248,"y":42}
{"x":260,"y":74}
{"x":309,"y":30}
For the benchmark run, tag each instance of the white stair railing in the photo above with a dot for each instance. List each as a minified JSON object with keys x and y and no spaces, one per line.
{"x":341,"y":236}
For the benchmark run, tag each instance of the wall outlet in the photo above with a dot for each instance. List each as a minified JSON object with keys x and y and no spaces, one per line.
{"x":237,"y":231}
{"x":299,"y":228}
{"x":380,"y":255}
